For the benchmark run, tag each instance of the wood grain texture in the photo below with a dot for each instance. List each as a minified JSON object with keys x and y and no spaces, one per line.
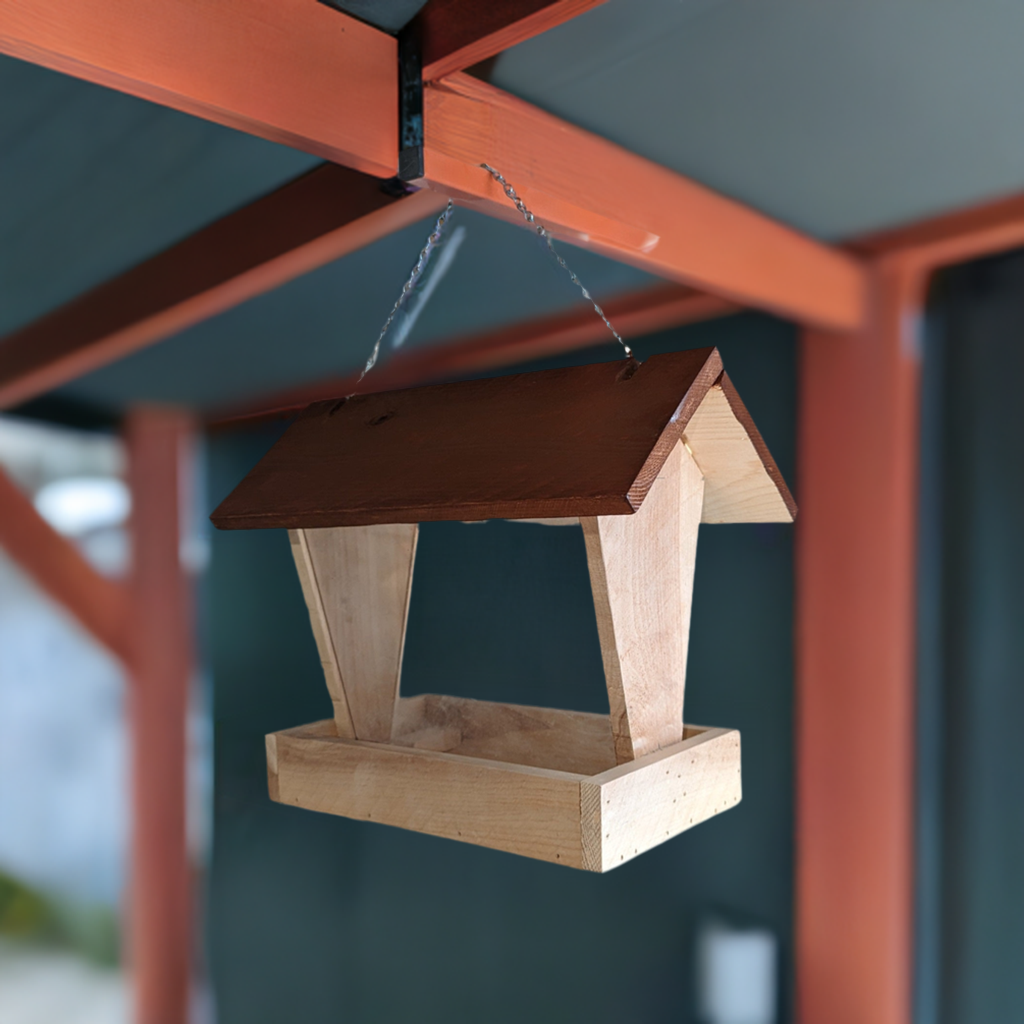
{"x":533,"y":812}
{"x":321,"y":632}
{"x":634,"y":314}
{"x":101,"y":605}
{"x":630,"y":809}
{"x":742,"y":483}
{"x":641,"y":573}
{"x":362,"y":578}
{"x":458,"y":33}
{"x":294,"y":72}
{"x":586,"y":440}
{"x":594,"y":821}
{"x":598,"y":195}
{"x":569,"y":741}
{"x":319,"y":217}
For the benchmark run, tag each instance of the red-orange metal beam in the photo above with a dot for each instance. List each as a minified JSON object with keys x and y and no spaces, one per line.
{"x":160,"y":924}
{"x":100,"y":604}
{"x":634,"y":314}
{"x":305,"y":224}
{"x":598,"y":195}
{"x":291,"y":71}
{"x":455,"y":34}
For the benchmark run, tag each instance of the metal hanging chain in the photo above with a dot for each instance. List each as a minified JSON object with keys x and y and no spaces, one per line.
{"x":542,"y":231}
{"x":431,"y":244}
{"x":417,"y":272}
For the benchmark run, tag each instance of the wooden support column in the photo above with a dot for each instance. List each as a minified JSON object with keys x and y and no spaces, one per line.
{"x":357,"y":581}
{"x":161,"y":665}
{"x":855,"y":660}
{"x":641,"y":571}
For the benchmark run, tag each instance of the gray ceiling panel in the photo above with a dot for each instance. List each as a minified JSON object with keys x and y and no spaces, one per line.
{"x":836,"y":116}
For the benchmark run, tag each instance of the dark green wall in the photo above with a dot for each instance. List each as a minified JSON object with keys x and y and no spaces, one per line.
{"x":971,"y":696}
{"x":318,"y":919}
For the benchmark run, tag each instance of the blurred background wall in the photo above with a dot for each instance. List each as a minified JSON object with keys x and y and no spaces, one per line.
{"x":971,"y":682}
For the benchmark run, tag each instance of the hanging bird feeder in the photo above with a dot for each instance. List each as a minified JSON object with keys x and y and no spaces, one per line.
{"x":639,"y":455}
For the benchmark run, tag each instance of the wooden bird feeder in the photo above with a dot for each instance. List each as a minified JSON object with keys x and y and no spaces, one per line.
{"x":639,"y":455}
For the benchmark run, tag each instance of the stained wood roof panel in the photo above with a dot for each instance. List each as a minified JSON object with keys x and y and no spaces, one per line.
{"x":578,"y":441}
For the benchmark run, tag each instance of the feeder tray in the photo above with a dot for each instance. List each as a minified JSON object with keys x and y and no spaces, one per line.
{"x":638,"y":456}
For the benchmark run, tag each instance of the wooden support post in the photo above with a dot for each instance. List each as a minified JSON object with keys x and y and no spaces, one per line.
{"x":161,"y":667}
{"x":855,"y":661}
{"x":357,"y":581}
{"x":641,"y":572}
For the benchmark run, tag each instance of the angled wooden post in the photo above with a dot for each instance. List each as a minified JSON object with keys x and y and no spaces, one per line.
{"x":641,"y":572}
{"x":59,"y":568}
{"x":357,"y":582}
{"x":161,"y":660}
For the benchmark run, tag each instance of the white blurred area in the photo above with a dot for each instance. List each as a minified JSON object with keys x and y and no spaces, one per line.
{"x":63,"y":736}
{"x":63,"y":744}
{"x":737,"y":970}
{"x":49,"y":987}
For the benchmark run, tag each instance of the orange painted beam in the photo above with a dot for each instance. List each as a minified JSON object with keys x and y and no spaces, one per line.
{"x":456,"y":34}
{"x":955,"y":237}
{"x":307,"y":223}
{"x":633,"y":314}
{"x":160,"y":909}
{"x":309,"y":76}
{"x":292,"y":71}
{"x":602,"y":197}
{"x":856,"y":545}
{"x":100,"y":604}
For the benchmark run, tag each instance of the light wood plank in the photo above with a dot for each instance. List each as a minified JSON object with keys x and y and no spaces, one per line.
{"x":738,"y":484}
{"x":533,"y":812}
{"x":321,"y":631}
{"x":630,"y":809}
{"x":571,"y":741}
{"x":641,"y":573}
{"x":363,"y":575}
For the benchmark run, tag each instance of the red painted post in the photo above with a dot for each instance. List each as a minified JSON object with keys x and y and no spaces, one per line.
{"x":856,"y":546}
{"x":161,"y":651}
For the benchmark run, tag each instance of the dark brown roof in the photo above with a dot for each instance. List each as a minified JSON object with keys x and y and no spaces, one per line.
{"x":581,"y":441}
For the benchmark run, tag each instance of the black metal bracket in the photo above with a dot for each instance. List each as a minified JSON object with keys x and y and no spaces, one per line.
{"x":410,"y":103}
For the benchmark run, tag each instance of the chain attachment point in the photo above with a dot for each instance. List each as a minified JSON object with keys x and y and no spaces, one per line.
{"x":543,"y":233}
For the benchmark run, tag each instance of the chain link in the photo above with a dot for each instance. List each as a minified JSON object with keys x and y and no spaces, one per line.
{"x":417,"y":272}
{"x":435,"y":236}
{"x":542,"y":231}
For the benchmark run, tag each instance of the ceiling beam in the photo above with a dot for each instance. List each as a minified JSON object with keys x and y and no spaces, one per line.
{"x":456,"y":34}
{"x":634,"y":314}
{"x":325,"y":214}
{"x":598,"y":195}
{"x":292,"y":71}
{"x":100,"y":604}
{"x":965,"y":234}
{"x":314,"y":78}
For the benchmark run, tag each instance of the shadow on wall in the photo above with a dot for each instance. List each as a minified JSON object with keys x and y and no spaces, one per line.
{"x":324,"y":919}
